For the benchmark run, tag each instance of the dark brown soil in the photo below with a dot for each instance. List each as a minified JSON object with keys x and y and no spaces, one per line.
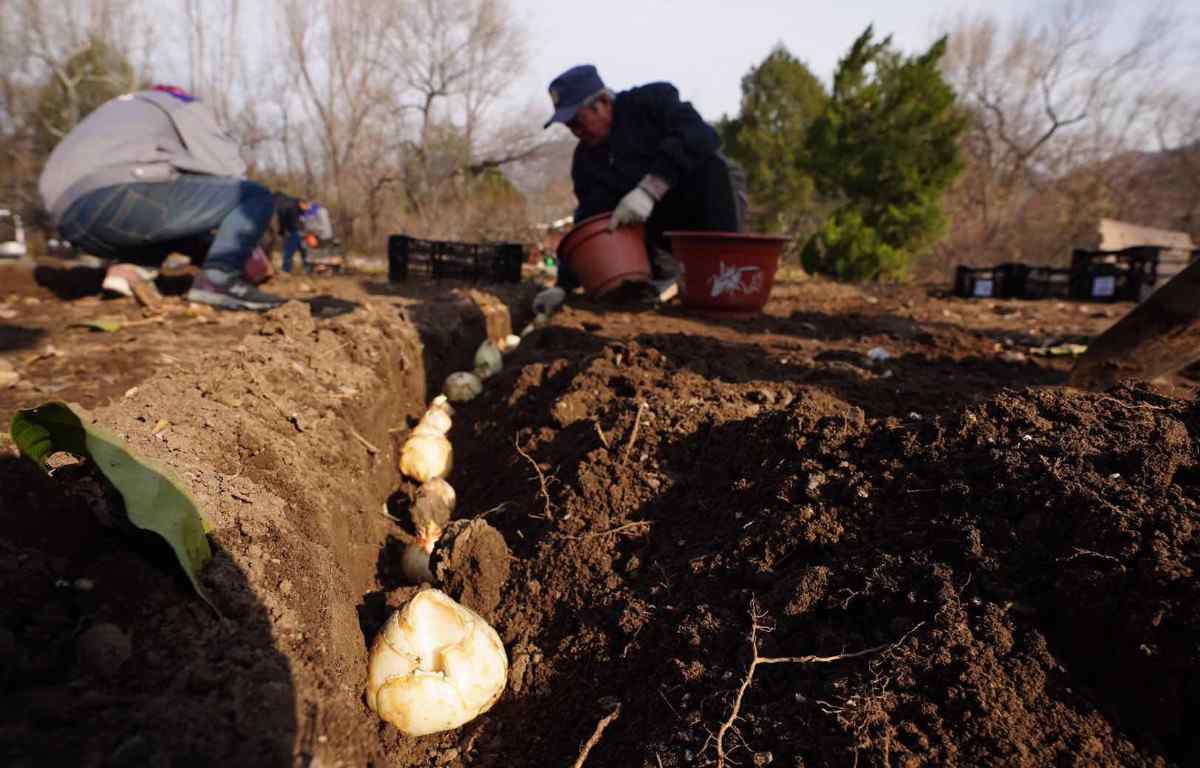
{"x":1022,"y":556}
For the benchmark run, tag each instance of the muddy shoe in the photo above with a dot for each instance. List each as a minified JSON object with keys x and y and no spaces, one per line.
{"x":228,"y":290}
{"x":132,"y":280}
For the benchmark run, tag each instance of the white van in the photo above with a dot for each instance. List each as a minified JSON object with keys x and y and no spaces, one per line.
{"x":12,"y":235}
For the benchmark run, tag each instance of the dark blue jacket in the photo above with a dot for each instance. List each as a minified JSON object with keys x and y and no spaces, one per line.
{"x":652,"y":132}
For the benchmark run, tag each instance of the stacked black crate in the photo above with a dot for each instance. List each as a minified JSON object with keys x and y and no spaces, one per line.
{"x":1002,"y":281}
{"x":440,"y":259}
{"x":1126,"y":275}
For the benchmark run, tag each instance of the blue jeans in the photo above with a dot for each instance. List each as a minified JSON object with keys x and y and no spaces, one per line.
{"x":291,"y":244}
{"x":144,"y":222}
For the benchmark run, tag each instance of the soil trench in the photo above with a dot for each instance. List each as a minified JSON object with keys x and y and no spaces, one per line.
{"x":1015,"y":560}
{"x":286,"y":435}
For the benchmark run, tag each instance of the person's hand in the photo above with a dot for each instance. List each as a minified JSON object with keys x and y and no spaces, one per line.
{"x":548,"y":300}
{"x":634,"y":208}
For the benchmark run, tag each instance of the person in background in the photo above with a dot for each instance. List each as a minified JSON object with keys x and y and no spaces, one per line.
{"x":289,"y":211}
{"x":649,"y":158}
{"x":315,"y":218}
{"x":151,"y":172}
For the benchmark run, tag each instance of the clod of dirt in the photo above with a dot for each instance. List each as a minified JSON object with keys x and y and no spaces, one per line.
{"x":8,"y":376}
{"x":293,"y":320}
{"x":471,"y":561}
{"x":103,"y":650}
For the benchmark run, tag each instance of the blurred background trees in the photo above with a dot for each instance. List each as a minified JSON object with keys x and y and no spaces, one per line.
{"x":1060,"y":118}
{"x":1008,"y":142}
{"x":391,"y":113}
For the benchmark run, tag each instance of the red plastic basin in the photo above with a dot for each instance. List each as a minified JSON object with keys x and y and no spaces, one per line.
{"x":604,"y":260}
{"x":726,"y":272}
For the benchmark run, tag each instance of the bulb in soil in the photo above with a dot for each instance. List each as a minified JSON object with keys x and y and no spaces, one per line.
{"x":509,"y":343}
{"x":436,"y":419}
{"x":488,"y":361}
{"x":434,"y":666}
{"x":103,"y":649}
{"x":462,"y":386}
{"x":433,"y":505}
{"x":426,"y":455}
{"x":414,"y":564}
{"x":540,"y":321}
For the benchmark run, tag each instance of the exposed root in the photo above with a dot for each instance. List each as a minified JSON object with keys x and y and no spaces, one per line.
{"x":1080,"y":552}
{"x":370,"y":448}
{"x":637,"y":423}
{"x":758,"y":624}
{"x":603,"y":437}
{"x":540,"y":475}
{"x":1132,"y":406}
{"x":612,"y":531}
{"x":595,"y":738}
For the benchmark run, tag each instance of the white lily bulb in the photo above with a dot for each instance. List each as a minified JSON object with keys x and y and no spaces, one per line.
{"x":425,"y":429}
{"x":509,"y":343}
{"x":442,"y":403}
{"x":488,"y":361}
{"x":540,"y":321}
{"x":414,"y":564}
{"x":426,"y":455}
{"x":434,"y":666}
{"x":462,"y":386}
{"x":434,"y":503}
{"x":437,"y":419}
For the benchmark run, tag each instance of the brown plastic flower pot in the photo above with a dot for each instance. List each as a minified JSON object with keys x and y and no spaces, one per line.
{"x":604,"y":260}
{"x":726,"y":273}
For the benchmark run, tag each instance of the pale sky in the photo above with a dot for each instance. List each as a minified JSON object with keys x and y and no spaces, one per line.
{"x":705,"y":46}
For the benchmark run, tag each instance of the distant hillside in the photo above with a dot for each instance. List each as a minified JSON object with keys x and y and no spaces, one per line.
{"x":1158,"y":189}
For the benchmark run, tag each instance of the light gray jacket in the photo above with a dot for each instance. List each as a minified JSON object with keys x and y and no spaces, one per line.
{"x":148,"y":136}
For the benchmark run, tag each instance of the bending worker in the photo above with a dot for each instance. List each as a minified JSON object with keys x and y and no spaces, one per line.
{"x":649,"y":158}
{"x":151,"y":172}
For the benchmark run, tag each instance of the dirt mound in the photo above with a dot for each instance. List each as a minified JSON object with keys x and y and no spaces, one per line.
{"x":1025,"y":564}
{"x":995,"y":571}
{"x":279,"y":425}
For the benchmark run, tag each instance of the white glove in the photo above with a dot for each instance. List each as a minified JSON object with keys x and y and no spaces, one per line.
{"x":634,"y":208}
{"x":548,"y":300}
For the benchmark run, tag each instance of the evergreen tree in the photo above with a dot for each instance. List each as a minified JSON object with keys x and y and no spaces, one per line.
{"x":886,"y":148}
{"x":780,"y":99}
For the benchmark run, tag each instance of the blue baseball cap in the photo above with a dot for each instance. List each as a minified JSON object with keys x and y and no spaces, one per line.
{"x":569,"y":90}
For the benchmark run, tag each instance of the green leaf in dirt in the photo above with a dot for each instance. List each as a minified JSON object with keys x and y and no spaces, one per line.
{"x":153,"y":501}
{"x":106,"y":325}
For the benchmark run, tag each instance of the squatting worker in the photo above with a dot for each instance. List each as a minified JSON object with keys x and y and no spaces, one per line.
{"x":647,"y":157}
{"x":150,"y":172}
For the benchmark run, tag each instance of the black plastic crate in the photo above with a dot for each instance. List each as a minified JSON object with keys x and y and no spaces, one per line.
{"x":1125,"y":275}
{"x":1047,"y":283}
{"x":999,"y":282}
{"x":1104,"y":281}
{"x":410,"y":257}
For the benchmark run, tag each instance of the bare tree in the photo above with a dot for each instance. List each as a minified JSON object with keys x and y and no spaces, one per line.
{"x":1177,"y":130}
{"x":463,"y":58}
{"x":1049,"y":99}
{"x":344,"y":54}
{"x":60,"y":49}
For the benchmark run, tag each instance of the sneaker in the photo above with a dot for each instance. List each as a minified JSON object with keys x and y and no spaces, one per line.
{"x":130,"y":280}
{"x":228,"y":290}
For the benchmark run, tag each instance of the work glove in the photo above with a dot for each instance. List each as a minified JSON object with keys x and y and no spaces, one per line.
{"x":548,"y":300}
{"x":639,"y":202}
